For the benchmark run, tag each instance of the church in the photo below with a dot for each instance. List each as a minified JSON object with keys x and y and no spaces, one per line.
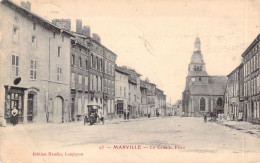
{"x":203,"y":93}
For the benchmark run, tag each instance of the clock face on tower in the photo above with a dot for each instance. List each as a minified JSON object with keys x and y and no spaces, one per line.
{"x":193,"y":79}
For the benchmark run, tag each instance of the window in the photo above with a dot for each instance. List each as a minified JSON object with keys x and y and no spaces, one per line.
{"x":120,"y":90}
{"x":97,"y":83}
{"x":80,"y":64}
{"x":124,"y":91}
{"x":135,"y":97}
{"x":73,"y":59}
{"x":105,"y":66}
{"x":101,"y":65}
{"x":91,"y":61}
{"x":90,"y":82}
{"x":59,"y":73}
{"x":112,"y":71}
{"x":97,"y":63}
{"x":101,"y":84}
{"x":34,"y":26}
{"x":34,"y":42}
{"x":86,"y":81}
{"x":15,"y":35}
{"x":86,"y":64}
{"x":73,"y":77}
{"x":62,"y":38}
{"x":59,"y":51}
{"x":105,"y":85}
{"x":219,"y":102}
{"x":199,"y":79}
{"x":33,"y":69}
{"x":202,"y":104}
{"x":15,"y":65}
{"x":80,"y":79}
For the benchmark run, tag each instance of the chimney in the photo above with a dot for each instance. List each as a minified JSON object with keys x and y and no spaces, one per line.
{"x":79,"y":26}
{"x":96,"y":37}
{"x":86,"y":31}
{"x":26,"y":5}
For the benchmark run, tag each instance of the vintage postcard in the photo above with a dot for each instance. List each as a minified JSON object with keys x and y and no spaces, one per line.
{"x":129,"y":81}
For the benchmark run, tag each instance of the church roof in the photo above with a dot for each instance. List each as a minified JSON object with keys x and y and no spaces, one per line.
{"x":216,"y":86}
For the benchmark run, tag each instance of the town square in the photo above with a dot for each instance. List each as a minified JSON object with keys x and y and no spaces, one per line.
{"x":129,"y":81}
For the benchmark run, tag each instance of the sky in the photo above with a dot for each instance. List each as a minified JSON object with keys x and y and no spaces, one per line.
{"x":156,"y":37}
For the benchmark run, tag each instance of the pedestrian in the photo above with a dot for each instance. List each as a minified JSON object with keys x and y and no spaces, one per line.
{"x":205,"y":117}
{"x":14,"y":118}
{"x":127,"y":114}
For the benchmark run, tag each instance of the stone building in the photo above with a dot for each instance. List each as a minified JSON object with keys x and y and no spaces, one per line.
{"x":233,"y":109}
{"x":143,"y":88}
{"x":36,"y":53}
{"x":251,"y":82}
{"x":121,"y":90}
{"x":134,"y":96}
{"x":79,"y":83}
{"x":151,"y":97}
{"x":203,"y":93}
{"x":160,"y":105}
{"x":101,"y":71}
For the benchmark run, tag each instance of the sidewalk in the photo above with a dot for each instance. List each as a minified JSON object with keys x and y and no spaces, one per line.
{"x":243,"y":126}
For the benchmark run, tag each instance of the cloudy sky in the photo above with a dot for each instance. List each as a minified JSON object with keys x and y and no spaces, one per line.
{"x":156,"y":36}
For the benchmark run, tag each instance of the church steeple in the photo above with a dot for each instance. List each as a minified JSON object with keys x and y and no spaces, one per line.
{"x":197,"y":64}
{"x":197,"y":44}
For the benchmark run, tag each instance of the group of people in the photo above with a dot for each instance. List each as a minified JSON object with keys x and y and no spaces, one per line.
{"x":213,"y":117}
{"x":126,"y":114}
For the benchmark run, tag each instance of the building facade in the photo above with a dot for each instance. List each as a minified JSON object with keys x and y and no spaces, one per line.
{"x":234,"y":110}
{"x":203,"y":93}
{"x":79,"y":81}
{"x":151,"y":97}
{"x":35,"y":67}
{"x":143,"y":88}
{"x":121,"y":90}
{"x":251,"y":82}
{"x":134,"y":96}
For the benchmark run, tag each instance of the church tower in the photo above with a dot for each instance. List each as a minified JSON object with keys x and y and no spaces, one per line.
{"x":197,"y":73}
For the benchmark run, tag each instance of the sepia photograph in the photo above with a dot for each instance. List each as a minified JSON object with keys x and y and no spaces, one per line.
{"x":130,"y":81}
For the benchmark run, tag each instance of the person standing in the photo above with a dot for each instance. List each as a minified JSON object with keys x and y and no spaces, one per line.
{"x":14,"y":113}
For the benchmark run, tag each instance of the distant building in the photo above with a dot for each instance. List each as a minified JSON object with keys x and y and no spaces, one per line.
{"x":134,"y":97}
{"x":233,"y":108}
{"x":143,"y":88}
{"x":203,"y":93}
{"x":121,"y":90}
{"x":62,"y":23}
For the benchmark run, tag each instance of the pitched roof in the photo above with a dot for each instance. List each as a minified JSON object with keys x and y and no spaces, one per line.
{"x":33,"y":15}
{"x":216,"y":86}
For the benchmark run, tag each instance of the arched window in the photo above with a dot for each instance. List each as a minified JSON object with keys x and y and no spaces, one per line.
{"x":202,"y":104}
{"x":92,"y":61}
{"x":101,"y":65}
{"x":97,"y":63}
{"x":219,"y":101}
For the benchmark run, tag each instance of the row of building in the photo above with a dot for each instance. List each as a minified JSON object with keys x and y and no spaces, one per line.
{"x":51,"y":74}
{"x":242,"y":94}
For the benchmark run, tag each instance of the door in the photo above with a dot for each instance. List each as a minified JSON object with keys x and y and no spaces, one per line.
{"x":31,"y":106}
{"x":72,"y":109}
{"x":57,"y":110}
